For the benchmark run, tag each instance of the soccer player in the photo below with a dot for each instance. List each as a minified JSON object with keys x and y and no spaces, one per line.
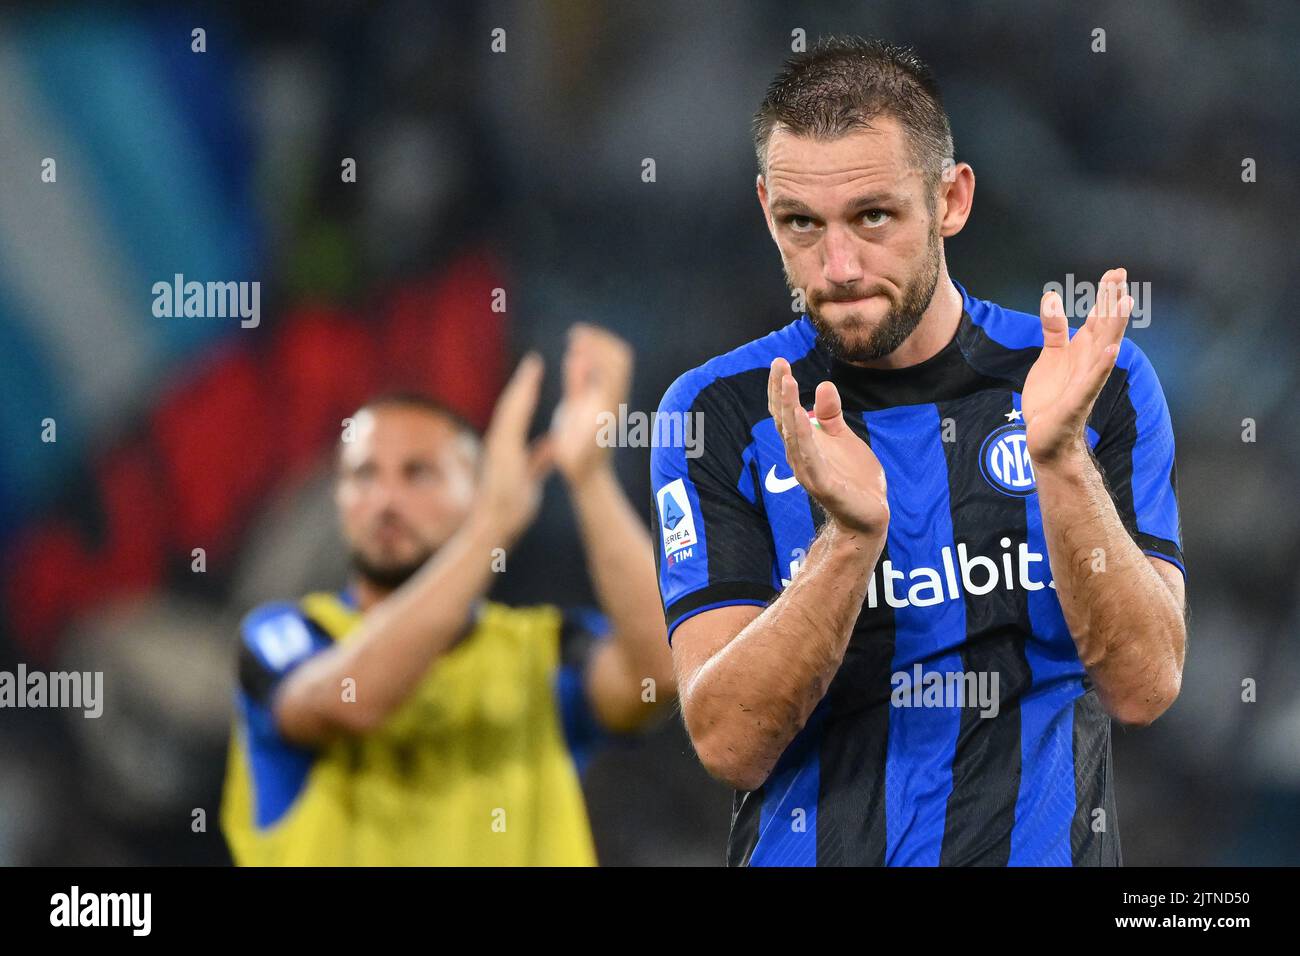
{"x":931,"y":546}
{"x":406,"y":719}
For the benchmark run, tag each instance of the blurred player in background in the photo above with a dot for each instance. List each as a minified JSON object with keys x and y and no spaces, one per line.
{"x":407,"y":720}
{"x":932,"y":546}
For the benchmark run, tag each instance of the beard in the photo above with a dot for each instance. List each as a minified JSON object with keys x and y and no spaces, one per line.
{"x":892,"y":331}
{"x":387,"y":576}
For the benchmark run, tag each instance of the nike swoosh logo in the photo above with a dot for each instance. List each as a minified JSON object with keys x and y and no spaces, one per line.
{"x":777,"y":485}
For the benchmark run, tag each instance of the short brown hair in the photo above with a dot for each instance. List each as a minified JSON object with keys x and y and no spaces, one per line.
{"x":409,"y":398}
{"x":843,"y":83}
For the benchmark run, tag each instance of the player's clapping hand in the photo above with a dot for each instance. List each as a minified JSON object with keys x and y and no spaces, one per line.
{"x":833,"y":465}
{"x":597,"y":376}
{"x":510,"y":486}
{"x":1068,"y":376}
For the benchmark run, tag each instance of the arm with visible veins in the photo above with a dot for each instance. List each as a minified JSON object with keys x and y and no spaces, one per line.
{"x":750,"y":679}
{"x":1126,"y":620}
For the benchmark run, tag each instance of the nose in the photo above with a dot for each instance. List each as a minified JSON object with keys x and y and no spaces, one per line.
{"x":840,"y":262}
{"x":384,"y":494}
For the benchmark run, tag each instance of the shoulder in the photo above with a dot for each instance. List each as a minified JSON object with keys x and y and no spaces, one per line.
{"x":1133,"y":360}
{"x":998,"y":342}
{"x":276,"y":635}
{"x":1135,"y":393}
{"x":267,"y":622}
{"x":274,"y":638}
{"x":730,"y":373}
{"x":1013,"y":329}
{"x":1008,"y":338}
{"x":1009,"y":328}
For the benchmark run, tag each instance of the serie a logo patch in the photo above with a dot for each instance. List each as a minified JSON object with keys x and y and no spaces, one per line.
{"x":1004,"y":461}
{"x":676,"y":521}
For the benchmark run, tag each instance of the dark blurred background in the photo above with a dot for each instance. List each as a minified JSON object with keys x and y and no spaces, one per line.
{"x":522,"y":170}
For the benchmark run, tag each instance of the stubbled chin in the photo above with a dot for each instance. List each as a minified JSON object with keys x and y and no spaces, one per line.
{"x":856,"y":327}
{"x":393,"y":557}
{"x":866,"y":312}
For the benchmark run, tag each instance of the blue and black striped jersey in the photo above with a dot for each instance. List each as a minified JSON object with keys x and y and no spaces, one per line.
{"x":961,"y":727}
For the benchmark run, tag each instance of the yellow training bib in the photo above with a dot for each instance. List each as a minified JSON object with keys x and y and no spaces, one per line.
{"x":473,"y":770}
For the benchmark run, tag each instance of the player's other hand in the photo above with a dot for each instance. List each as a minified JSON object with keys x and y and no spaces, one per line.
{"x":510,"y":482}
{"x":1069,"y":374}
{"x":597,"y":377}
{"x":834,"y":465}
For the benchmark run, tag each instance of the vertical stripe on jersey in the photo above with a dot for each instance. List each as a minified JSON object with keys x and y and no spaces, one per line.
{"x":922,"y":740}
{"x":1046,"y":805}
{"x":787,"y":824}
{"x":1094,"y":836}
{"x":789,"y":512}
{"x":851,"y":825}
{"x":745,"y":806}
{"x":986,"y":770}
{"x":851,"y":829}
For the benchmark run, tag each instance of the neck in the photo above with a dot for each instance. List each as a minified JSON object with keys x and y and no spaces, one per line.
{"x":367,"y":593}
{"x":935,"y":330}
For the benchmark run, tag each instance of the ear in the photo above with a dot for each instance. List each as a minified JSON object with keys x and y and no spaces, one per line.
{"x":956,"y":197}
{"x":761,"y":187}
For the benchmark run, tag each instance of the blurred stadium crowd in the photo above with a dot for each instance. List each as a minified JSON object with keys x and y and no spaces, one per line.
{"x":523,"y":170}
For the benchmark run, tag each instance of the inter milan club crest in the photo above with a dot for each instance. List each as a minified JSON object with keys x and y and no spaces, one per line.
{"x":1004,"y":461}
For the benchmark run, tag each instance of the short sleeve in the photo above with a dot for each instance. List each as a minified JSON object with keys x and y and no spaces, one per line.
{"x":1135,"y":449}
{"x":274,"y":639}
{"x":713,"y":543}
